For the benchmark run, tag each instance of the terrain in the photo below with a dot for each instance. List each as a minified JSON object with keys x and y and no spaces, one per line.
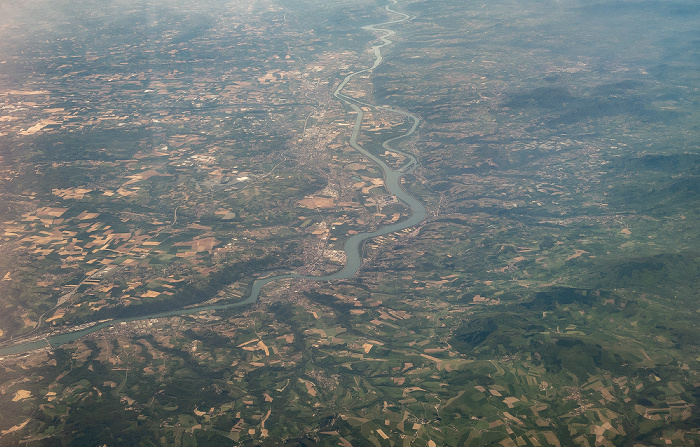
{"x":157,"y":158}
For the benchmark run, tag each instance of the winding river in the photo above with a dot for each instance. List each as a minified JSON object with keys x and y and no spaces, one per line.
{"x":353,"y":245}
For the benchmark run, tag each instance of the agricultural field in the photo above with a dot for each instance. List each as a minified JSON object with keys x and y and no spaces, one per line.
{"x":158,"y":160}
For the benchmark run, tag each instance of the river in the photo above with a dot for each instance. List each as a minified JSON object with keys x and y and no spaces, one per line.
{"x":353,"y":245}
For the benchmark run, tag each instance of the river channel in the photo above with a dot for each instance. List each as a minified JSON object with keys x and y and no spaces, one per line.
{"x":353,"y":245}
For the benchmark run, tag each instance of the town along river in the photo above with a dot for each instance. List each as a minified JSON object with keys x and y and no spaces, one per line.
{"x":353,"y":245}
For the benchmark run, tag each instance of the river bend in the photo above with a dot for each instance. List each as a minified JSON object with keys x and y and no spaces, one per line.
{"x":353,"y":245}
